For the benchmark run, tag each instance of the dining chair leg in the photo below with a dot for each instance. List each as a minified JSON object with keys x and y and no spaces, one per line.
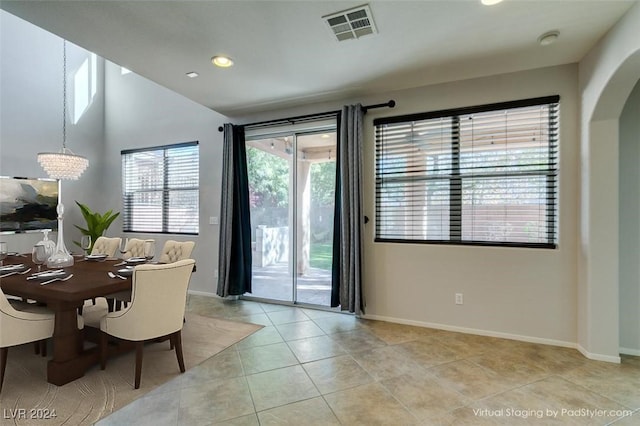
{"x":104,"y":341}
{"x":43,"y":347}
{"x":139,"y":350}
{"x":176,"y":339}
{"x":36,"y":348}
{"x":3,"y":364}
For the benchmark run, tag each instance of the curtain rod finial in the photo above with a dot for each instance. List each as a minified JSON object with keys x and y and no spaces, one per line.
{"x":220,"y":129}
{"x":391,"y":103}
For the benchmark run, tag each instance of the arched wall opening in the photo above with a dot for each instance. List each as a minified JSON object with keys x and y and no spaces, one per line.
{"x":600,"y":289}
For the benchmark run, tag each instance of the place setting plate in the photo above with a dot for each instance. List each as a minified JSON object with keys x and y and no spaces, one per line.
{"x":136,"y":260}
{"x":125,"y":272}
{"x":95,"y":257}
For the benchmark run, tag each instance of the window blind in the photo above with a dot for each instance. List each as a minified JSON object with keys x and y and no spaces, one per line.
{"x":478,"y":175}
{"x":160,"y":189}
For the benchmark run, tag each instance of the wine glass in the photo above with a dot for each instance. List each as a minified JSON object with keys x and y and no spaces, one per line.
{"x":4,"y":252}
{"x":124,"y":242}
{"x":39,"y":255}
{"x":149,"y":249}
{"x":85,"y":243}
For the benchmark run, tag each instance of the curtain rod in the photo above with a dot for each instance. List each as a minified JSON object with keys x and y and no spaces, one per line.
{"x":389,"y":104}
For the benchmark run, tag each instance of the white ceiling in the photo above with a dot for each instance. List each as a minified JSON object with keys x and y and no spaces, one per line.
{"x":285,"y":54}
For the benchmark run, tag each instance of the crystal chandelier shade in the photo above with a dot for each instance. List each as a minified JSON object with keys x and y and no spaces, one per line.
{"x":63,"y":165}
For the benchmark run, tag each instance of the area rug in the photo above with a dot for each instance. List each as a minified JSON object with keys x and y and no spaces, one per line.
{"x":27,"y":398}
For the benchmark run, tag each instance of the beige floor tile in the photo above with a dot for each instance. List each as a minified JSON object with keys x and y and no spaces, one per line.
{"x":269,"y":357}
{"x":260,"y":318}
{"x":514,"y":369}
{"x":315,"y":348}
{"x":424,"y":396}
{"x":556,"y":400}
{"x":219,"y":400}
{"x":426,"y":353}
{"x":551,"y":359}
{"x":468,"y":345}
{"x":337,"y":373}
{"x":385,"y":363}
{"x":299,"y":330}
{"x":287,"y":316}
{"x":250,"y":420}
{"x":619,"y":382}
{"x":280,"y":387}
{"x":266,"y":336}
{"x":393,"y":334}
{"x":312,"y":412}
{"x":160,"y":409}
{"x":369,"y":404}
{"x":628,"y":420}
{"x":358,"y":340}
{"x":338,"y":323}
{"x":224,"y":365}
{"x":470,"y":379}
{"x":321,"y":313}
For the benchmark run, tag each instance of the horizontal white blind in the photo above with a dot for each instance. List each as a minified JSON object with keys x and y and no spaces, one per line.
{"x":160,"y":189}
{"x":480,"y":175}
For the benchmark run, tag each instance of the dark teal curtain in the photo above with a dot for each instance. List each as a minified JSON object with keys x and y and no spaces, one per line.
{"x":235,"y":223}
{"x":348,"y":223}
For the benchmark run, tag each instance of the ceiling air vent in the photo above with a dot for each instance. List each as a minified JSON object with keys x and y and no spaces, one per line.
{"x":352,"y":23}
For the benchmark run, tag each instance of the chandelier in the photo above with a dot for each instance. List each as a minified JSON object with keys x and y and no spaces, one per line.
{"x":62,"y":165}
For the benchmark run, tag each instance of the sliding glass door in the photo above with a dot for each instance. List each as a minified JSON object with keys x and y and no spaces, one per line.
{"x":292,"y":191}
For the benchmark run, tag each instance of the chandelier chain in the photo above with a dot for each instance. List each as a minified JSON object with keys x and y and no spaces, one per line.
{"x":64,"y":95}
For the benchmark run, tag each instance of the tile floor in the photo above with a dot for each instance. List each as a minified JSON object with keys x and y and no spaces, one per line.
{"x":310,"y":367}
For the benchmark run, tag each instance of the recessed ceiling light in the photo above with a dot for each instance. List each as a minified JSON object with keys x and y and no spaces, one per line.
{"x":490,"y":2}
{"x":222,"y":61}
{"x":548,"y":38}
{"x":192,"y":74}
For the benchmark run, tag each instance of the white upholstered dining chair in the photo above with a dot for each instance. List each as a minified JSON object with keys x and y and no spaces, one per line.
{"x":172,"y":251}
{"x":134,"y":248}
{"x":158,"y":301}
{"x":21,"y":323}
{"x":106,"y":245}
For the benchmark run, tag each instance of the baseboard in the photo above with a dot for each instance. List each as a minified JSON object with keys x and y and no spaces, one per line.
{"x":599,"y":357}
{"x":479,"y":332}
{"x":628,"y":351}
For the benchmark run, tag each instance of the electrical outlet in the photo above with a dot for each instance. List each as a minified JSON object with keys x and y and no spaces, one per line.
{"x":215,"y":273}
{"x":458,"y":298}
{"x":213,"y":220}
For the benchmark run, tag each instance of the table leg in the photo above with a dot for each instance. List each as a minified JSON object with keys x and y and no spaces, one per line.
{"x":66,"y":365}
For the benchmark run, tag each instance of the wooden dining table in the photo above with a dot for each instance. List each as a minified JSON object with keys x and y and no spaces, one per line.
{"x":90,"y":280}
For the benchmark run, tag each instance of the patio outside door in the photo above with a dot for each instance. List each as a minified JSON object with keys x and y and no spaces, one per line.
{"x":292,"y":190}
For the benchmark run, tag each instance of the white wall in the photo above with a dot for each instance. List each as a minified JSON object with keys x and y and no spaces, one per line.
{"x":31,"y":117}
{"x":515,"y":292}
{"x":140,"y":113}
{"x":629,"y":180}
{"x":607,"y":75}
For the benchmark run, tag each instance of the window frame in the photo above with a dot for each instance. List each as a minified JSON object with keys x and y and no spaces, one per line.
{"x":166,"y":189}
{"x":455,"y":223}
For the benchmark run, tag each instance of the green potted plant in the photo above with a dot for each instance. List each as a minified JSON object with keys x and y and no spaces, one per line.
{"x":97,"y":223}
